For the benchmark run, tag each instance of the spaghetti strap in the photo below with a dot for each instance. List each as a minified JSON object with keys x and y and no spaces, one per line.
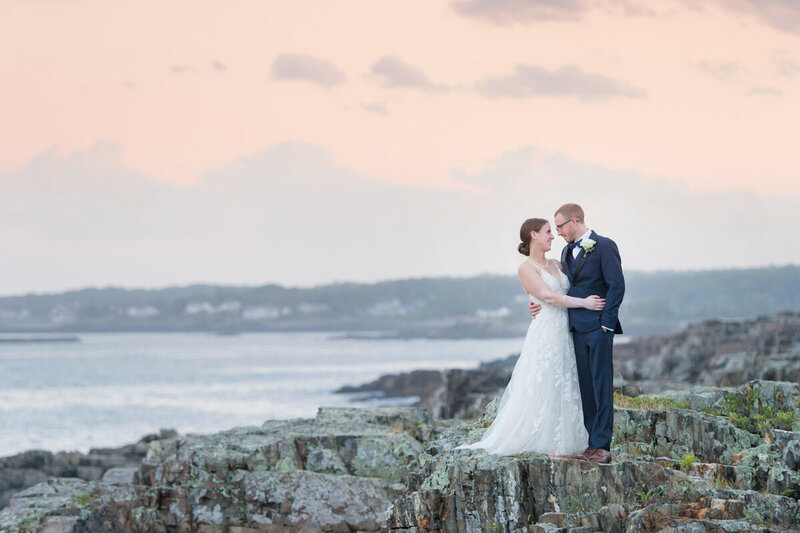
{"x":539,"y":267}
{"x":533,"y":263}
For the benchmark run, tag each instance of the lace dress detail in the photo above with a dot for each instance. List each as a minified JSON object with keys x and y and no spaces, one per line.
{"x":540,"y":409}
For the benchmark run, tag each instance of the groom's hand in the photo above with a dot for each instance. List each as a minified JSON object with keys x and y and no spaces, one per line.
{"x":534,"y":308}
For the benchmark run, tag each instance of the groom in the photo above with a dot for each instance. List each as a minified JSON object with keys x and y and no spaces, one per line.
{"x":593,"y":266}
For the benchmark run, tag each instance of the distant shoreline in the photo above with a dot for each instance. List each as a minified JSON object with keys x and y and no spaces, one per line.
{"x":411,"y":332}
{"x":481,"y":307}
{"x":21,"y":339}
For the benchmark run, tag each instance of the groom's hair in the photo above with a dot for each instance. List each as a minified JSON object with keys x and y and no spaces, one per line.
{"x":571,"y":211}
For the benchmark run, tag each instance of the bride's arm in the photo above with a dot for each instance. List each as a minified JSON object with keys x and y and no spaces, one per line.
{"x":533,"y":284}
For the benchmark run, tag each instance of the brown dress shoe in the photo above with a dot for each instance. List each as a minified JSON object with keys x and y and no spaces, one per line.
{"x":586,"y":453}
{"x":600,"y":456}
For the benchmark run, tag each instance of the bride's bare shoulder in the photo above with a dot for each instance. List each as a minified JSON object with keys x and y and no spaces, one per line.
{"x":558,"y":263}
{"x":526,"y":268}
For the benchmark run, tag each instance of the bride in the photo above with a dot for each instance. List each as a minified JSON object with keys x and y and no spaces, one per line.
{"x":540,"y":409}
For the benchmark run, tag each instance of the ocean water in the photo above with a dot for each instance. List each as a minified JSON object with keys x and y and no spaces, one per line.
{"x":111,"y":389}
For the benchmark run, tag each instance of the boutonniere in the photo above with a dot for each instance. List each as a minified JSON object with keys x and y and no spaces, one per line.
{"x":588,"y":245}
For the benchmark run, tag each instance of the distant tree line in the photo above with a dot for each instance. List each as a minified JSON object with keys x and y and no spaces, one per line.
{"x":662,"y":297}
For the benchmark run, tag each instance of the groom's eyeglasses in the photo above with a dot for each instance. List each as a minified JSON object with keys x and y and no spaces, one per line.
{"x":558,"y":226}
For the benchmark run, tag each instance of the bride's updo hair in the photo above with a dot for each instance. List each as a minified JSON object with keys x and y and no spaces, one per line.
{"x":532,"y":224}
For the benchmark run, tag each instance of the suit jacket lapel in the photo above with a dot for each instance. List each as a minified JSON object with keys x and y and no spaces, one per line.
{"x":581,"y":259}
{"x":566,"y":263}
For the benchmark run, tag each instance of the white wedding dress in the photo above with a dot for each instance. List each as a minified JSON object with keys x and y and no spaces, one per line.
{"x":540,"y":409}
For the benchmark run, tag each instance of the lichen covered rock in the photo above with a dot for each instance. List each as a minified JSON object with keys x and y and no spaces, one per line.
{"x":336,"y":472}
{"x":704,"y":460}
{"x":673,"y":469}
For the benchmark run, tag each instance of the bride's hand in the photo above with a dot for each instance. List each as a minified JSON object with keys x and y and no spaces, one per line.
{"x":594,"y":303}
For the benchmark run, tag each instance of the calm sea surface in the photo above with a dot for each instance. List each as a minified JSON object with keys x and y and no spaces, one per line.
{"x":111,"y":389}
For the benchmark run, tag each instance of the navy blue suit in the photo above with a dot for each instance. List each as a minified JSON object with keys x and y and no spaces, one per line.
{"x":597,"y":272}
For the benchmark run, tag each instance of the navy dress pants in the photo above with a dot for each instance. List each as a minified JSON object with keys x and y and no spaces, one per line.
{"x":593,"y":354}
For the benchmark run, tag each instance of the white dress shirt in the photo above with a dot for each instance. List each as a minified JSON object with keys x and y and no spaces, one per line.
{"x":577,"y":249}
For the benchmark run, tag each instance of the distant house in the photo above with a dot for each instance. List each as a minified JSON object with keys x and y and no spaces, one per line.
{"x":391,"y":307}
{"x":232,"y":307}
{"x":261,"y":312}
{"x":306,"y":308}
{"x":142,"y":311}
{"x":61,"y":314}
{"x":493,"y":313}
{"x":198,"y":308}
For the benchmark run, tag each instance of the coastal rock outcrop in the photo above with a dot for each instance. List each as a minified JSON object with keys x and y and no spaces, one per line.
{"x":450,"y":393}
{"x":675,"y":468}
{"x":420,"y":383}
{"x":705,"y":459}
{"x":23,"y":470}
{"x":336,"y":472}
{"x":715,"y":352}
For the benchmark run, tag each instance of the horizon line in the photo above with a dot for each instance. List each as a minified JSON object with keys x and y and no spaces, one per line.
{"x":346,"y":282}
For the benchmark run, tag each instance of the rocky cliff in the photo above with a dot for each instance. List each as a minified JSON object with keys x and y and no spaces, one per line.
{"x":678,"y":465}
{"x":707,"y":459}
{"x":26,"y":469}
{"x":699,"y":458}
{"x":336,"y":472}
{"x":715,"y":353}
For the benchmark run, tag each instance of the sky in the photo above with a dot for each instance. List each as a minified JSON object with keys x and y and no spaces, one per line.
{"x":147,"y":144}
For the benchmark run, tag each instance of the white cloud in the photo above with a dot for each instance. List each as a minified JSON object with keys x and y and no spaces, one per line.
{"x":84,"y":195}
{"x":511,"y":11}
{"x":393,"y":72}
{"x":783,"y":15}
{"x":531,"y":80}
{"x":506,"y":12}
{"x":307,"y":68}
{"x":292,"y":214}
{"x":218,"y":65}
